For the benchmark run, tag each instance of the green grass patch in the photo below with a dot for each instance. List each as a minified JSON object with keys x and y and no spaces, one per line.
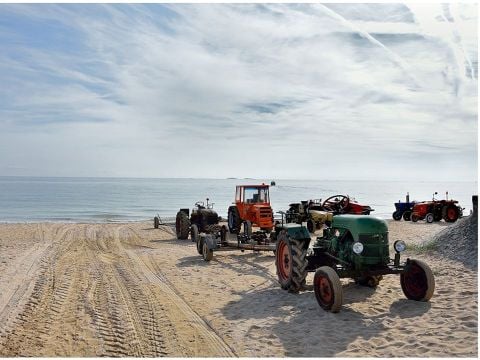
{"x":427,"y":246}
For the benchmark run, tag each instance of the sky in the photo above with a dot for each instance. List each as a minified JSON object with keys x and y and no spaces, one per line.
{"x":278,"y":91}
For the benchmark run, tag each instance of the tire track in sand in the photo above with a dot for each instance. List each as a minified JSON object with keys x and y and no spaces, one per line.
{"x":153,"y":273}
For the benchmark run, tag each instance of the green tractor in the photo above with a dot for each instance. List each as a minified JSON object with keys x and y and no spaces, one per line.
{"x":354,"y":246}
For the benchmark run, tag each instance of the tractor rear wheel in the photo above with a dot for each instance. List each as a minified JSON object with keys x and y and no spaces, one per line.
{"x":417,"y":281}
{"x":429,"y":217}
{"x":397,"y":215}
{"x":234,"y":221}
{"x":407,"y":215}
{"x":450,"y":213}
{"x":328,"y":289}
{"x":206,"y":252}
{"x":291,"y":262}
{"x":194,"y":233}
{"x":156,"y":222}
{"x":182,"y":225}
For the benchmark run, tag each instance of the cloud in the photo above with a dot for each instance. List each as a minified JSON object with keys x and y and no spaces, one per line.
{"x":183,"y":86}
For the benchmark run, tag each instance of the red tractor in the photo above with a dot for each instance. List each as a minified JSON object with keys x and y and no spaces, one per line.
{"x":437,"y":210}
{"x":252,"y":207}
{"x":343,"y":204}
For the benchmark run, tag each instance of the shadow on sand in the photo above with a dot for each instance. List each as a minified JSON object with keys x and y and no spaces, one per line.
{"x":304,"y":329}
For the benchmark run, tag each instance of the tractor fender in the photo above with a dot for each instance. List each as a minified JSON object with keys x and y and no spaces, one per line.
{"x":296,"y":231}
{"x":210,"y":240}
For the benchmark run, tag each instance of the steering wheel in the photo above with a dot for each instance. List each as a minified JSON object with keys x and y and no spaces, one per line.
{"x":336,"y":203}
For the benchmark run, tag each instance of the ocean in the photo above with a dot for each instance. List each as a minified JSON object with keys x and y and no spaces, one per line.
{"x":31,"y":199}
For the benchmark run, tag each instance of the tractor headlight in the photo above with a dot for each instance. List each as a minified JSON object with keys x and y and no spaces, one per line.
{"x":399,"y":246}
{"x":357,"y":247}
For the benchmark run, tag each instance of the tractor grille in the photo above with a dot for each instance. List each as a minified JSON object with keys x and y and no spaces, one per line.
{"x":375,"y":248}
{"x":265,"y":212}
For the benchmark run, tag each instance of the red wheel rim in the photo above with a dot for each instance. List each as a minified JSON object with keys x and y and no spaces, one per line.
{"x":415,"y":282}
{"x":324,"y":290}
{"x":284,"y":260}
{"x":451,"y":213}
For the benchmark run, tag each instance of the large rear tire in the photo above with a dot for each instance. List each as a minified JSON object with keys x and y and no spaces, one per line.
{"x":234,"y":221}
{"x":417,"y":281}
{"x":450,"y":213}
{"x":328,"y":289}
{"x":182,"y":225}
{"x":291,"y":262}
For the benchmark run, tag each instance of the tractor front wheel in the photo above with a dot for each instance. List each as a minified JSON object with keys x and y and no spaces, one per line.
{"x":182,"y":225}
{"x":311,"y":226}
{"x":417,"y":281}
{"x":234,"y":221}
{"x":407,"y":215}
{"x":194,"y":233}
{"x":223,"y":234}
{"x":328,"y":289}
{"x":247,"y":228}
{"x":414,"y":218}
{"x":429,"y":217}
{"x":291,"y":262}
{"x":200,"y":245}
{"x":206,"y":252}
{"x":397,"y":215}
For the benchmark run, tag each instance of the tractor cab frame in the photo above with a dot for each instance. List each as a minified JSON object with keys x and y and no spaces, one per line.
{"x":252,"y":205}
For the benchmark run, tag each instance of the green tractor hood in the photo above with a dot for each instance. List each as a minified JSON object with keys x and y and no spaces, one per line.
{"x":360,"y":224}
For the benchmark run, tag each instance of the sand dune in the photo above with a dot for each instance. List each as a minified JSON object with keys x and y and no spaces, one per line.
{"x":131,"y":290}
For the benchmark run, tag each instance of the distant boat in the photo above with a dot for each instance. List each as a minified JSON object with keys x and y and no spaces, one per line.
{"x":272,"y":183}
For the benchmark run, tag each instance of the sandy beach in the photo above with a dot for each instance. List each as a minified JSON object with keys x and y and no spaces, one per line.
{"x":131,"y":290}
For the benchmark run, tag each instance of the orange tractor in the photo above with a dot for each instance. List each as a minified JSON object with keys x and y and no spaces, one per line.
{"x":252,"y":207}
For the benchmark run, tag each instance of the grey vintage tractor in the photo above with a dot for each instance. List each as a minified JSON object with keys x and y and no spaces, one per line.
{"x":354,"y":246}
{"x":202,"y":219}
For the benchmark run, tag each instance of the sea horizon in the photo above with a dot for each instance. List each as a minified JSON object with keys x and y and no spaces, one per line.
{"x":115,"y":199}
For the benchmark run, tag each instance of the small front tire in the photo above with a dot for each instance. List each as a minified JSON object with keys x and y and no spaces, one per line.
{"x":207,"y":253}
{"x":156,"y":222}
{"x":397,"y":215}
{"x":194,"y":233}
{"x":234,"y":221}
{"x":429,"y":217}
{"x":311,"y":226}
{"x":328,"y":289}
